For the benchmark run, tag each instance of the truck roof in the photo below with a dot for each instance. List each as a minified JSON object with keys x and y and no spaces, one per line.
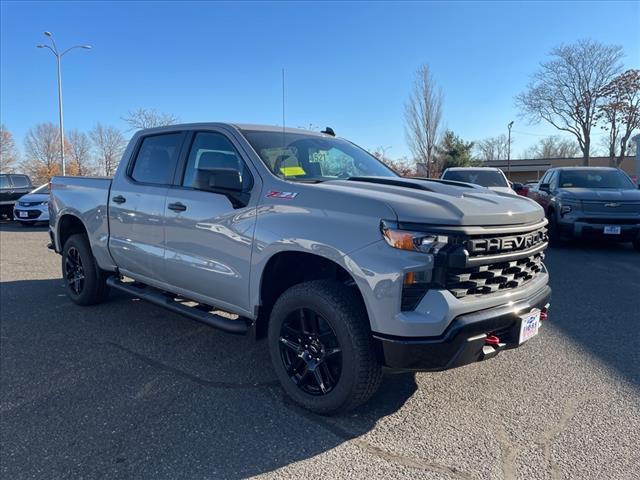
{"x":237,"y":126}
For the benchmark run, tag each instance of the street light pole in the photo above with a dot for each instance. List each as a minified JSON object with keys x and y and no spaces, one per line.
{"x":59,"y":56}
{"x":509,"y":151}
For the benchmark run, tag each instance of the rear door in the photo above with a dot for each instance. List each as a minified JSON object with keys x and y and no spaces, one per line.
{"x":137,"y":207}
{"x":6,"y":190}
{"x":209,"y":235}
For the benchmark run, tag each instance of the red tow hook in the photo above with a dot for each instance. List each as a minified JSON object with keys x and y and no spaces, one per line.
{"x":492,"y":340}
{"x":544,"y":313}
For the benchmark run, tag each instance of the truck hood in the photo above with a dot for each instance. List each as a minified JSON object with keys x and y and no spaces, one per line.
{"x":441,"y":202}
{"x":601,"y":194}
{"x":34,"y":197}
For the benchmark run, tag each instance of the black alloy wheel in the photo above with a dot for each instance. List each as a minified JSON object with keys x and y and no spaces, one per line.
{"x":74,"y":271}
{"x":310,"y":352}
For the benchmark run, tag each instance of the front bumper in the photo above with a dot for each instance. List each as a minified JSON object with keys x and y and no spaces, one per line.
{"x":464,"y":341}
{"x":33,"y":214}
{"x":594,"y":227}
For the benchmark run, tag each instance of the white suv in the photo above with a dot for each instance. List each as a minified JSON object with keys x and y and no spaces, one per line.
{"x":492,"y":178}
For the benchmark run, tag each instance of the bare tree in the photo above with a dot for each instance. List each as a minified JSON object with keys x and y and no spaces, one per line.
{"x":402,"y":166}
{"x":493,"y":148}
{"x":423,"y":115}
{"x":80,"y":154}
{"x":566,"y":90}
{"x":42,"y":152}
{"x":109,"y":143}
{"x":148,"y":118}
{"x":8,"y":151}
{"x":553,"y":147}
{"x":620,"y":112}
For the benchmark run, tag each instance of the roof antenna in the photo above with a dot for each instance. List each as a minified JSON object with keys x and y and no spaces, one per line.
{"x":283,"y":123}
{"x":329,"y":131}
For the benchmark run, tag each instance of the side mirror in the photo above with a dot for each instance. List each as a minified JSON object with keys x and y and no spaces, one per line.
{"x":517,"y":186}
{"x":225,"y":181}
{"x":545,"y":187}
{"x":220,"y":180}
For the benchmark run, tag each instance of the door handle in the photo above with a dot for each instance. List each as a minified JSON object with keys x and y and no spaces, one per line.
{"x":177,"y":207}
{"x":119,"y":199}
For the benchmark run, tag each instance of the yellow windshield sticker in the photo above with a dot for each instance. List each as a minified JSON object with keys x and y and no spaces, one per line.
{"x":292,"y":171}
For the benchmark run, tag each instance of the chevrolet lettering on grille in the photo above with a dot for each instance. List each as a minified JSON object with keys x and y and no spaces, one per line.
{"x":507,"y":243}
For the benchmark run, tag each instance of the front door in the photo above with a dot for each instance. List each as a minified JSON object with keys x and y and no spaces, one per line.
{"x":209,"y":235}
{"x":137,"y":207}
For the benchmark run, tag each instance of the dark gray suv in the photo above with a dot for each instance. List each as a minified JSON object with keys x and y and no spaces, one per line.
{"x":590,"y":201}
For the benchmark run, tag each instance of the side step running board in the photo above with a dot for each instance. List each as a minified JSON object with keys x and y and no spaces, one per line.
{"x":239,"y":326}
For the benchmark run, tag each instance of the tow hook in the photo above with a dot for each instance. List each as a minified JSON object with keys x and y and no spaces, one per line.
{"x":492,"y":347}
{"x":544,"y":313}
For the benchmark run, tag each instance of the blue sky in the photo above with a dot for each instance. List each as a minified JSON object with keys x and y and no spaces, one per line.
{"x":348,"y":65}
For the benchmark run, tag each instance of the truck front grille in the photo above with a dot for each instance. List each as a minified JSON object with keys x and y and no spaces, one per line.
{"x":493,"y":277}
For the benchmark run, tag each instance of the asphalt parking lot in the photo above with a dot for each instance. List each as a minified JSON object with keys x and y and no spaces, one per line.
{"x":127,"y":390}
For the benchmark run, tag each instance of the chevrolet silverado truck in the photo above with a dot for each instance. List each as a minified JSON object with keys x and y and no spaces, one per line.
{"x":308,"y":240}
{"x":595,"y":202}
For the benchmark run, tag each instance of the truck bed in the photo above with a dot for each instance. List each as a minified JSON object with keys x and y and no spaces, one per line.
{"x":86,"y":198}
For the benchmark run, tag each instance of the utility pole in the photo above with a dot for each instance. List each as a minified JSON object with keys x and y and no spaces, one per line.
{"x":58,"y":55}
{"x":510,"y":124}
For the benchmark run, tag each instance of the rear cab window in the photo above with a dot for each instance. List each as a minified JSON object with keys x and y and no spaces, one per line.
{"x":157,"y":158}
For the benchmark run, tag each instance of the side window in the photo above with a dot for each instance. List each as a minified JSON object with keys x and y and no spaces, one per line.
{"x":20,"y":181}
{"x":157,"y":159}
{"x":210,"y":151}
{"x":4,"y":181}
{"x":553,"y":181}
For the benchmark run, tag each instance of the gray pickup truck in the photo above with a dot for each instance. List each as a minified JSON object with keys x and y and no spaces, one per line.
{"x":308,"y":240}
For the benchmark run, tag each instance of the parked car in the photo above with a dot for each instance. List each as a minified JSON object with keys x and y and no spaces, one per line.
{"x":590,"y":201}
{"x":33,"y":207}
{"x":12,"y":187}
{"x":491,"y":178}
{"x":312,"y":242}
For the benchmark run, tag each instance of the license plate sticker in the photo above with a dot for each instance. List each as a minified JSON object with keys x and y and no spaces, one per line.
{"x":23,"y":214}
{"x":529,"y":325}
{"x":612,"y":229}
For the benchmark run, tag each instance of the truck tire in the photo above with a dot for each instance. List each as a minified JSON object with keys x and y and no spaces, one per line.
{"x":321,"y":347}
{"x":84,"y":281}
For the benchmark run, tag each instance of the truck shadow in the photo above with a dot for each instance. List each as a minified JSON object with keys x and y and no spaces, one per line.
{"x":596,"y":290}
{"x":126,"y":389}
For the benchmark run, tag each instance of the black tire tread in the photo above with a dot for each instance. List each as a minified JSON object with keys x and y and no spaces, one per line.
{"x":346,"y":301}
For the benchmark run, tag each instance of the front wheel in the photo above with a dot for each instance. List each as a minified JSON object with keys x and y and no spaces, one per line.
{"x":321,"y":347}
{"x":85,"y":282}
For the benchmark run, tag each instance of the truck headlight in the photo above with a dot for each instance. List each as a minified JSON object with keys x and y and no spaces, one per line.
{"x":424,"y":242}
{"x":568,"y":205}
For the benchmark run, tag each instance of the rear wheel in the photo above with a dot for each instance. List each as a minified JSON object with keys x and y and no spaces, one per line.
{"x":321,"y":347}
{"x":85,"y":282}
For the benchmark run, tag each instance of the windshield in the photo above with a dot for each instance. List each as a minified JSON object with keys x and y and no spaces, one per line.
{"x":41,"y":189}
{"x":300,"y":157}
{"x":485,"y":178}
{"x":594,"y":179}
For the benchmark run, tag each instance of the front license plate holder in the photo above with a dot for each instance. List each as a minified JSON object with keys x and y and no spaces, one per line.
{"x":612,"y":229}
{"x":529,"y":325}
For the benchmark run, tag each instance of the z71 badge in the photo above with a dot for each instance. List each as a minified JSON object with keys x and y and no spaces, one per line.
{"x":283,"y":195}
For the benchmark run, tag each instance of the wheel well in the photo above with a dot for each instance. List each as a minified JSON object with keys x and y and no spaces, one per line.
{"x":287,"y":269}
{"x":69,"y":225}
